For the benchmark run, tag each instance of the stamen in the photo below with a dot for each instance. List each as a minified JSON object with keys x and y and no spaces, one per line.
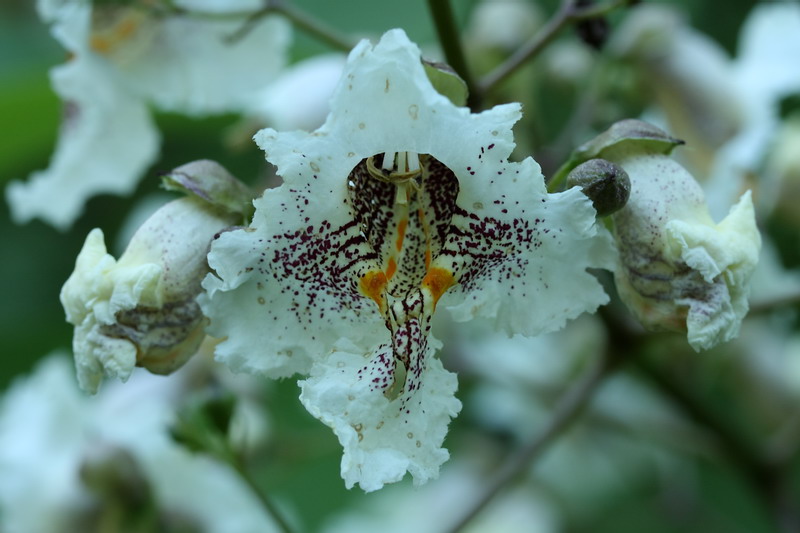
{"x":402,"y":162}
{"x":413,"y":161}
{"x":388,"y":160}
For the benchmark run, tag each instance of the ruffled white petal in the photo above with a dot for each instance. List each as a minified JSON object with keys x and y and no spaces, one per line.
{"x":526,"y":255}
{"x":382,"y":439}
{"x":91,"y":299}
{"x":106,"y":143}
{"x":280,"y":295}
{"x":726,"y":256}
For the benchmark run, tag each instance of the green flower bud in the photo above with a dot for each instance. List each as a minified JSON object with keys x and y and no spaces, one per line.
{"x":605,"y":183}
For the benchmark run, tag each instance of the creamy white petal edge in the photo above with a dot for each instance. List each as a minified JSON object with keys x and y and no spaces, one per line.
{"x":288,"y":287}
{"x":382,"y":439}
{"x":47,"y":428}
{"x":107,"y":141}
{"x":725,"y":254}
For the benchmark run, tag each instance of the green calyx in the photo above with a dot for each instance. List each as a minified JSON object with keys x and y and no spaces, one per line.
{"x":605,"y":183}
{"x":211,"y":182}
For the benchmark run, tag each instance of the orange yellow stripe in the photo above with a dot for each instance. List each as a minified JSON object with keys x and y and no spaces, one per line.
{"x":437,"y":281}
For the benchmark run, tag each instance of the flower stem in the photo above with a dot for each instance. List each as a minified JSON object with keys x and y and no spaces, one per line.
{"x":569,"y":13}
{"x":566,"y":412}
{"x":450,"y":39}
{"x":312,"y":26}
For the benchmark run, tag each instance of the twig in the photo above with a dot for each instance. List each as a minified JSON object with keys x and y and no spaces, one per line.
{"x":568,"y":409}
{"x":450,"y":39}
{"x":298,"y":17}
{"x":569,"y":13}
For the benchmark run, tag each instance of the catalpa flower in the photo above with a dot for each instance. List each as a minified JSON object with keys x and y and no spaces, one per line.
{"x":401,"y":203}
{"x":123,"y":59}
{"x":678,"y":269}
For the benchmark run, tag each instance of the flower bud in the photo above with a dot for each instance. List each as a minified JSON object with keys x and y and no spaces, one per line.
{"x":141,"y":309}
{"x":678,"y":270}
{"x":605,"y":183}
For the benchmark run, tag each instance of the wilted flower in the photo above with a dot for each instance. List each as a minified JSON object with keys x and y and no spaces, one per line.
{"x":399,"y":203}
{"x":124,"y":57}
{"x":141,"y":310}
{"x":678,"y":270}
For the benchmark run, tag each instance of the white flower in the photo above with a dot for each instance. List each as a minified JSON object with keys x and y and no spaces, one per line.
{"x":678,"y":270}
{"x":50,"y":432}
{"x":400,"y":202}
{"x":141,"y":310}
{"x":122,"y":59}
{"x":726,"y":109}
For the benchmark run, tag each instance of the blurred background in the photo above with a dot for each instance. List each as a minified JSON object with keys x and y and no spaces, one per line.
{"x":639,"y":460}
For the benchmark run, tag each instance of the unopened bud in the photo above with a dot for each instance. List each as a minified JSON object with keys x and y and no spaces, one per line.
{"x":605,"y":183}
{"x":678,"y":270}
{"x":141,"y":309}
